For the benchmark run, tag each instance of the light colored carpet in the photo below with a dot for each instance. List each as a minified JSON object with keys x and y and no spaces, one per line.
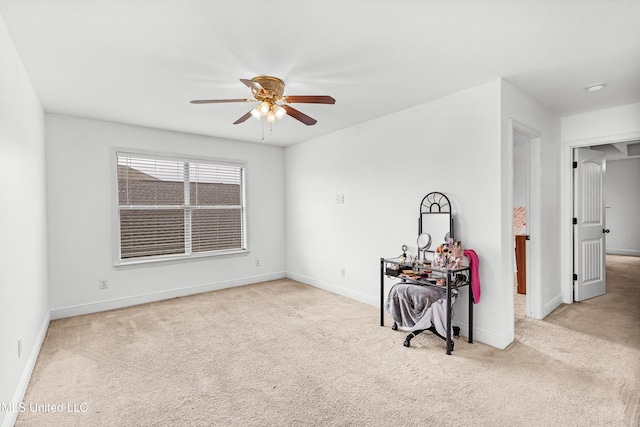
{"x":285,"y":354}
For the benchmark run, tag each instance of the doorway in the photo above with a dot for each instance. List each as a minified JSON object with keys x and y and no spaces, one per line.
{"x":567,"y":227}
{"x":526,"y":220}
{"x":520,"y":208}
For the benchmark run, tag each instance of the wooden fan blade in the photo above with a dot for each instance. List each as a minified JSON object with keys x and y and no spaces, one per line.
{"x":218,"y":101}
{"x":243,"y":118}
{"x":299,"y":115}
{"x":310,"y":99}
{"x":253,"y":85}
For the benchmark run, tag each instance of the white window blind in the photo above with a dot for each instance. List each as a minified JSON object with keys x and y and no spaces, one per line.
{"x":178,"y":208}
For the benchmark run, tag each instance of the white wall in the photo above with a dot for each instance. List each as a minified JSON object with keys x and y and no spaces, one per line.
{"x":384,"y":168}
{"x":520,"y":107}
{"x":23,"y":258}
{"x":623,"y":205}
{"x":602,"y":123}
{"x":80,"y":179}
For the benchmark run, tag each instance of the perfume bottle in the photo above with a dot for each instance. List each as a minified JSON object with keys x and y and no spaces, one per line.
{"x":457,"y":251}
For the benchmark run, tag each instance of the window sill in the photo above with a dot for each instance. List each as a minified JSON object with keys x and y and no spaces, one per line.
{"x":174,"y":259}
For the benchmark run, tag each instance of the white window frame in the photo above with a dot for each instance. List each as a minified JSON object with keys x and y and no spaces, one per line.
{"x":188,"y":255}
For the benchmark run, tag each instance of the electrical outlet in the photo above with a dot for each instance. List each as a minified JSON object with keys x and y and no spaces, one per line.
{"x":19,"y":347}
{"x":103,"y":283}
{"x":342,"y":272}
{"x":257,"y":263}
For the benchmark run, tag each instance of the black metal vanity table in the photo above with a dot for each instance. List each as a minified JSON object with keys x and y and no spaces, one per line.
{"x":436,"y":219}
{"x":387,"y":266}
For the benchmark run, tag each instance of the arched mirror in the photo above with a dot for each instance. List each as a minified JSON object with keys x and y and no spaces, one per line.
{"x":436,"y":218}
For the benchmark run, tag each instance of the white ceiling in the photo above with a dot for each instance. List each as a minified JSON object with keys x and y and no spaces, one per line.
{"x":142,"y":61}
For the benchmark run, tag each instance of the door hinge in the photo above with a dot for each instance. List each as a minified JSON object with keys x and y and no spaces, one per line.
{"x":575,"y":165}
{"x":575,"y":221}
{"x":575,"y":277}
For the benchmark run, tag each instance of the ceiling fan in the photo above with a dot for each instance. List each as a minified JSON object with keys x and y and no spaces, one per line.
{"x":273,"y":105}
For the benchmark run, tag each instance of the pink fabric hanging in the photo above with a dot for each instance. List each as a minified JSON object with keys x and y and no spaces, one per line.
{"x":474,"y":265}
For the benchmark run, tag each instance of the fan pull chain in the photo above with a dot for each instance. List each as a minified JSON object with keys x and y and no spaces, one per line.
{"x":262,"y":124}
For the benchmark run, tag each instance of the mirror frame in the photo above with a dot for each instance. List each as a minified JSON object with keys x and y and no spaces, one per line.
{"x":436,"y":203}
{"x":427,"y":244}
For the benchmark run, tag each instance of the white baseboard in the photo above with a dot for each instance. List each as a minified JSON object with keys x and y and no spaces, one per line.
{"x":18,"y":396}
{"x":551,"y":305}
{"x":480,"y":335}
{"x":623,"y":252}
{"x":367,"y":299}
{"x":95,"y":307}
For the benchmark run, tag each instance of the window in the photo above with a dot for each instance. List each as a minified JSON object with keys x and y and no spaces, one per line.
{"x":178,"y":208}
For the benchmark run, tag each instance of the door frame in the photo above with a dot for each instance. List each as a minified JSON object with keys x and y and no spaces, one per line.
{"x":566,"y":208}
{"x":534,"y":306}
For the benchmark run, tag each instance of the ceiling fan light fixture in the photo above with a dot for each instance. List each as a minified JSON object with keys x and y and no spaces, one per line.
{"x":268,"y":91}
{"x":256,"y":113}
{"x":264,"y":108}
{"x":279,"y":111}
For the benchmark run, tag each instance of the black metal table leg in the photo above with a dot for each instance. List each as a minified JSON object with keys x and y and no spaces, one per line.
{"x":448,"y":341}
{"x":381,"y":291}
{"x":470,"y":313}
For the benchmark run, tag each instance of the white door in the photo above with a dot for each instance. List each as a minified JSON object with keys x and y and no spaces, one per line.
{"x":589,"y":229}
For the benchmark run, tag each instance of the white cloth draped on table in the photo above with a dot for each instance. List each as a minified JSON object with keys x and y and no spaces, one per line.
{"x":414,"y":307}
